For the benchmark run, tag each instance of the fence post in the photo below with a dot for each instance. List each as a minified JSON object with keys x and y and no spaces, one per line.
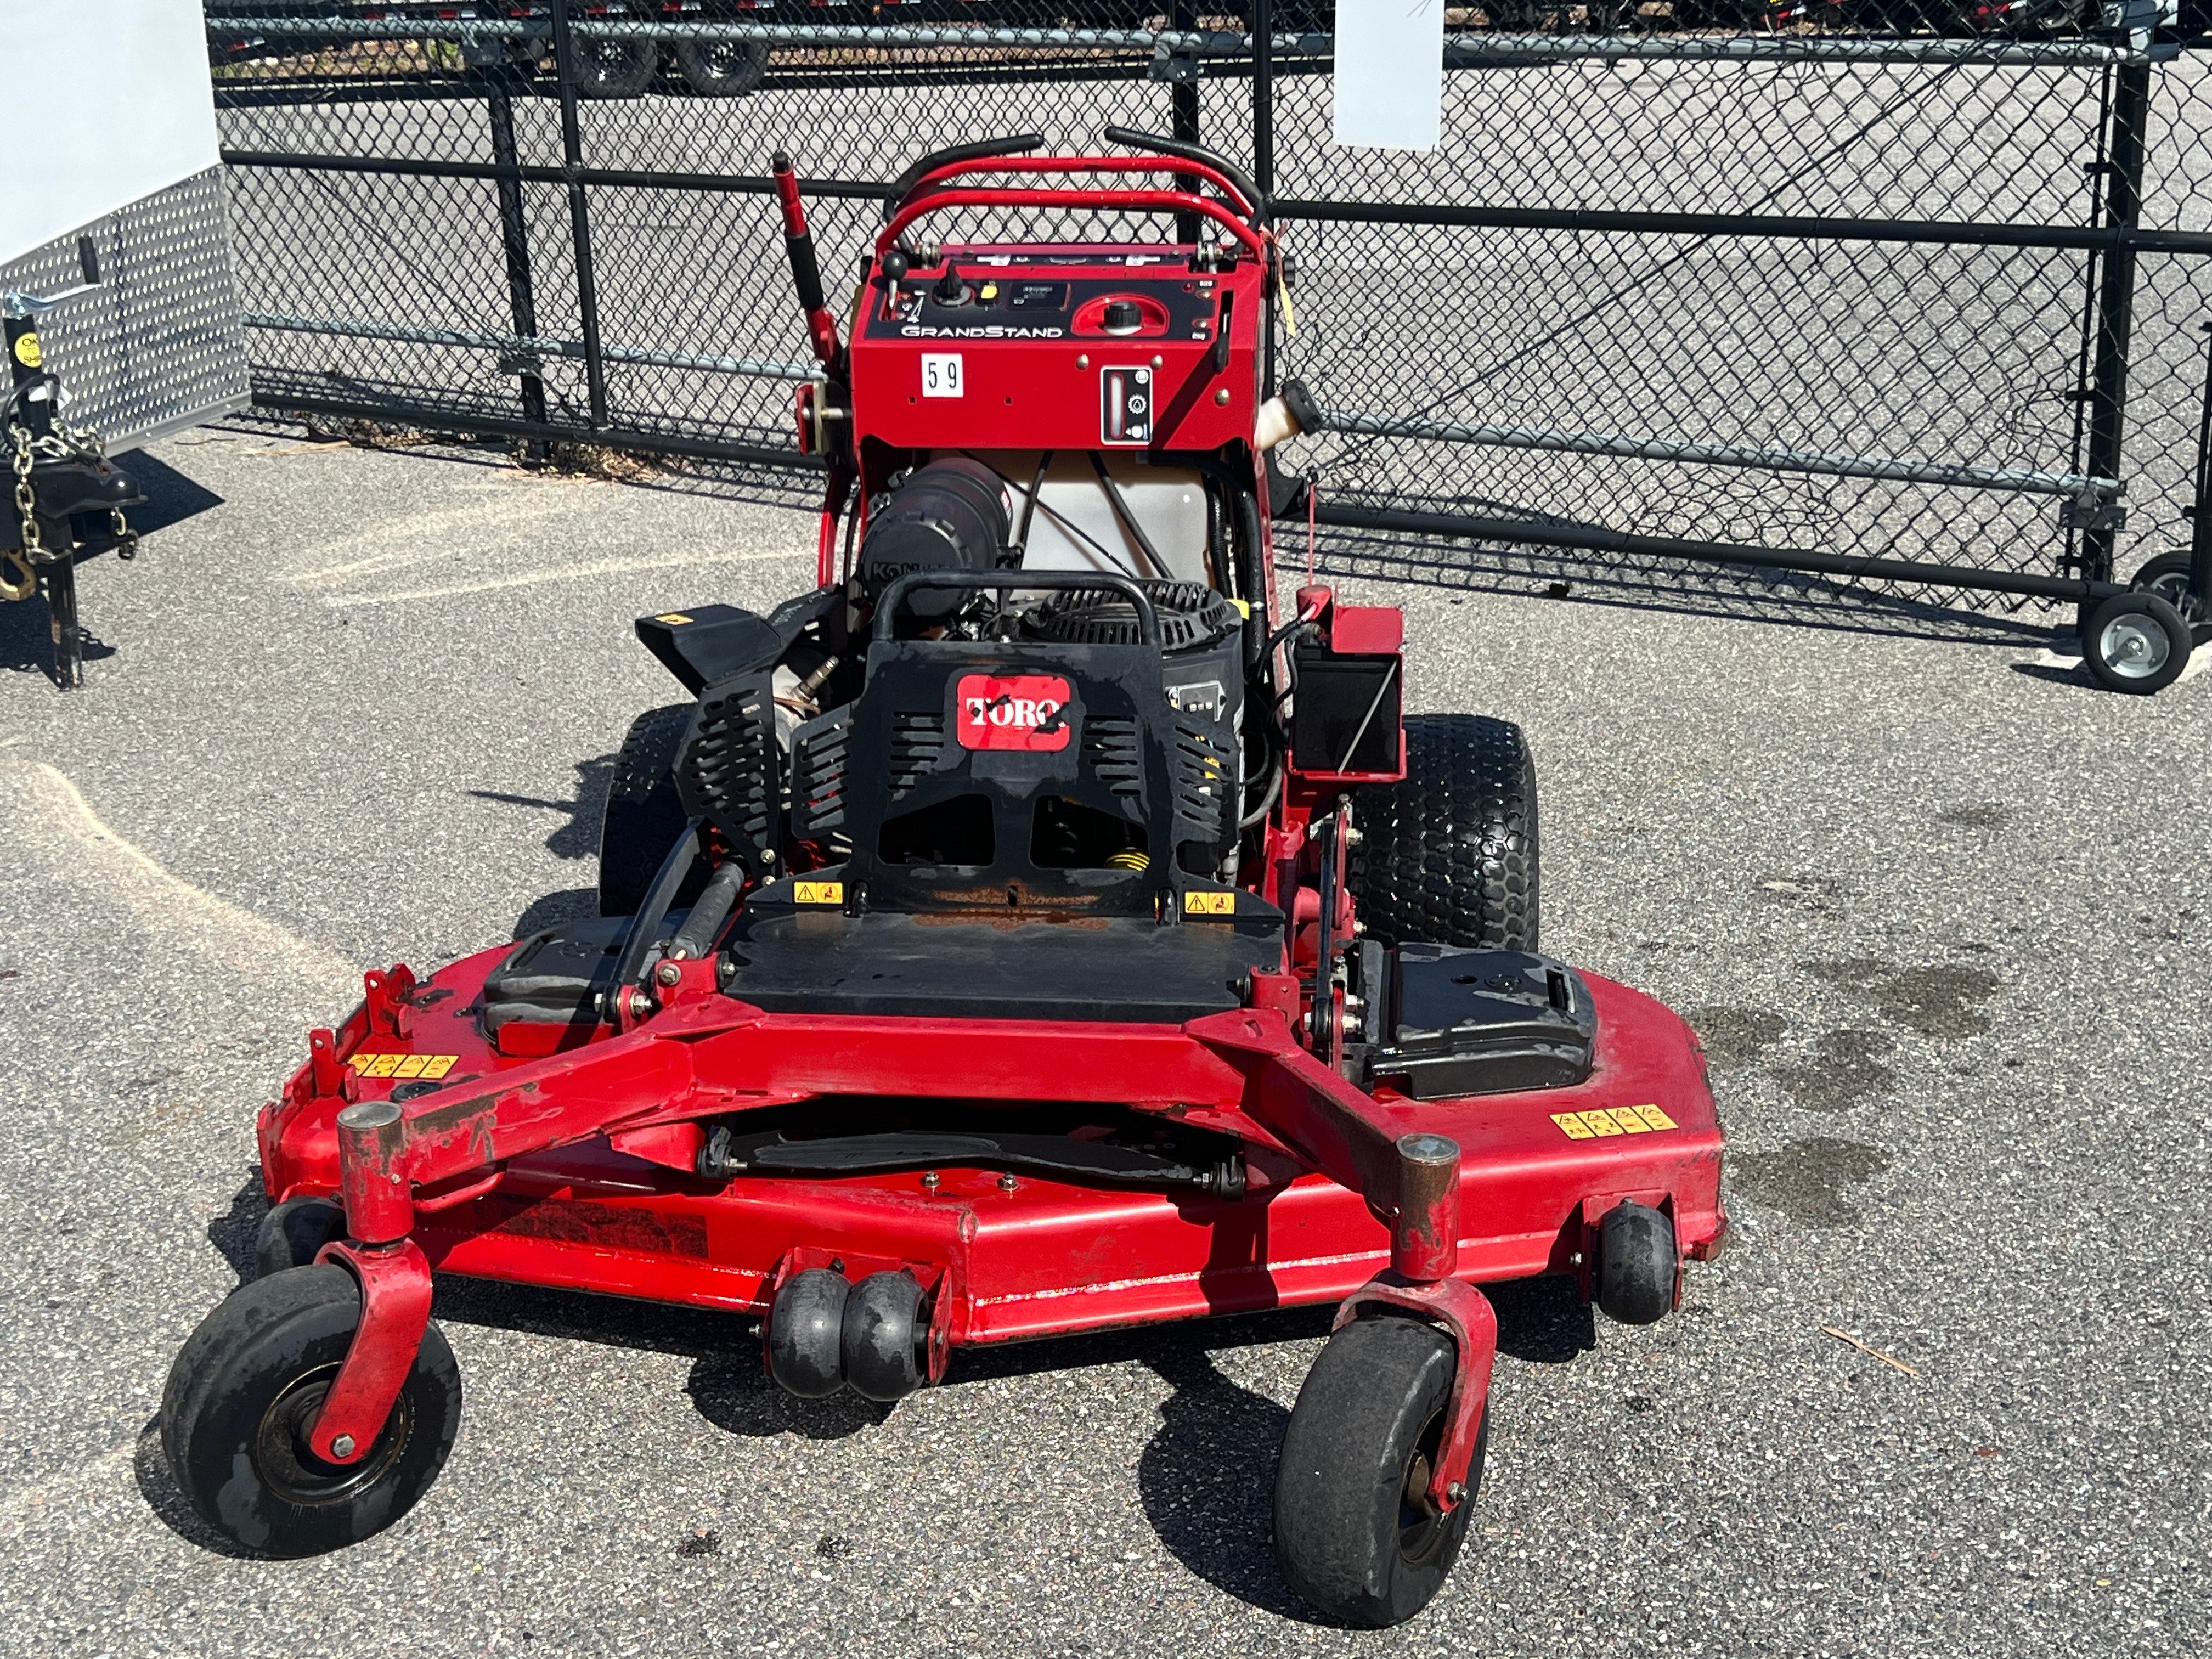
{"x":2116,"y":297}
{"x":514,"y":233}
{"x":1263,"y":155}
{"x":579,"y":218}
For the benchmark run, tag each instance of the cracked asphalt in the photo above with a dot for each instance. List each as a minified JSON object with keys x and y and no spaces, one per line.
{"x":1941,"y":909}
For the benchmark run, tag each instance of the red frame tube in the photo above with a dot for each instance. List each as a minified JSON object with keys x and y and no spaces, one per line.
{"x":1132,"y":201}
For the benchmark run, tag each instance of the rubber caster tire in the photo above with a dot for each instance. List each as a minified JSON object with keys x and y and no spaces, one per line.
{"x":1638,"y":1265}
{"x":1361,"y":1436}
{"x":886,"y":1336}
{"x":2135,"y":642}
{"x":643,"y":814}
{"x":721,"y":69}
{"x":243,"y":1395}
{"x":805,"y":1333}
{"x":616,"y":68}
{"x":2167,"y":576}
{"x":293,"y":1233}
{"x":1448,"y":854}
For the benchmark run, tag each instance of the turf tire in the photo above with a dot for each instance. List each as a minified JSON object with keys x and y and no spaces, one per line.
{"x":1448,"y":856}
{"x":241,"y":1398}
{"x":1346,"y":1537}
{"x":644,"y":814}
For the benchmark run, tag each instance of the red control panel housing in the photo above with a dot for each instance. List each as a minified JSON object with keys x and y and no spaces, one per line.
{"x":1145,"y":346}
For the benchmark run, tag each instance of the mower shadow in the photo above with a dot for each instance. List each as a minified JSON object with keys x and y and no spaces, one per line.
{"x":578,"y":837}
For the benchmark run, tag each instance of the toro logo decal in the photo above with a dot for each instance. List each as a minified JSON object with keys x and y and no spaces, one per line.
{"x":1019,"y":711}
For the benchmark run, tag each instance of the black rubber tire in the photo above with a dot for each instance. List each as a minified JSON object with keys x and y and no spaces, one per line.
{"x":2167,"y":576}
{"x":2135,"y":643}
{"x":1346,"y":1538}
{"x":1448,"y":854}
{"x":1638,"y":1264}
{"x":615,"y":69}
{"x":807,"y":1332}
{"x":885,"y":1337}
{"x":644,"y":814}
{"x":292,"y":1233}
{"x":242,"y":1396}
{"x":721,"y":69}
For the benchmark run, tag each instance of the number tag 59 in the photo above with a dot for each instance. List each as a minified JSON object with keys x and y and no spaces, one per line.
{"x":940,"y":374}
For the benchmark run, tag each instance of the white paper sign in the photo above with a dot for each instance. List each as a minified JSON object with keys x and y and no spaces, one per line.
{"x":940,"y":374}
{"x":1390,"y":72}
{"x":101,"y":102}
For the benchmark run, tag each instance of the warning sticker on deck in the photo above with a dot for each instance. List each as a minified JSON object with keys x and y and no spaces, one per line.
{"x":818,"y":893}
{"x":1612,"y":1121}
{"x":431,"y":1066}
{"x":1209,"y":904}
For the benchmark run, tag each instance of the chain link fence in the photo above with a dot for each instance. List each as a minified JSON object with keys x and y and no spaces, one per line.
{"x":1912,"y":296}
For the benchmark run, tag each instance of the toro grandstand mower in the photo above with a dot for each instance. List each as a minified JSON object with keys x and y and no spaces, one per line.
{"x":1037,"y":929}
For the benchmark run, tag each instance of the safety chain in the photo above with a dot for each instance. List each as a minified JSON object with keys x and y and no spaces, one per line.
{"x":64,"y":443}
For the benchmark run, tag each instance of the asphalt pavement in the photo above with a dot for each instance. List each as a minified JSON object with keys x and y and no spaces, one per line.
{"x":1941,"y":909}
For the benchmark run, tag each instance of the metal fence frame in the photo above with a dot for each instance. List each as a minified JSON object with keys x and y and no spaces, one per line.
{"x":2112,"y":241}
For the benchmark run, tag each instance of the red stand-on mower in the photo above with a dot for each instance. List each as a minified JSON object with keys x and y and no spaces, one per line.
{"x":1039,"y":927}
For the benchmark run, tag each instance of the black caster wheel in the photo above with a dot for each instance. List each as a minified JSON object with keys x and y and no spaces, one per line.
{"x":1354,"y":1532}
{"x":291,"y":1234}
{"x":2167,"y":576}
{"x":721,"y":69}
{"x":243,"y":1397}
{"x":2135,"y":642}
{"x":1638,"y":1265}
{"x":886,"y":1336}
{"x":805,"y":1330}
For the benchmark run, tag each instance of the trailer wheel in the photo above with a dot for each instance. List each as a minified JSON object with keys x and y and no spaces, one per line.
{"x":1638,"y":1264}
{"x":644,"y":814}
{"x":2167,"y":576}
{"x":806,"y":1331}
{"x":615,"y":69}
{"x":1448,"y":856}
{"x":1354,"y":1534}
{"x":292,"y":1233}
{"x":886,"y":1329}
{"x":2135,"y":642}
{"x":243,"y":1396}
{"x":721,"y":69}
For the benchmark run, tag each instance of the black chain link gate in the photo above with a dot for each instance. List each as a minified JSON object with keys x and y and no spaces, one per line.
{"x":1907,"y":296}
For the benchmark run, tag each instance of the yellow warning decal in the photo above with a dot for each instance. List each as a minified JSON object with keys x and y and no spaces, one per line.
{"x":430,"y":1067}
{"x":818,"y":893}
{"x":1209,"y":904}
{"x":29,"y":352}
{"x":1613,"y":1121}
{"x":674,"y":619}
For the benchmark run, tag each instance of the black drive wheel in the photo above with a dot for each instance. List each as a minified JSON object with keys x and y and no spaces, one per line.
{"x":807,"y":1332}
{"x":1354,"y":1534}
{"x":1448,"y":855}
{"x":644,"y":814}
{"x":1638,"y":1265}
{"x":886,"y":1336}
{"x":721,"y":69}
{"x":615,"y":69}
{"x":292,"y":1234}
{"x":2135,"y":642}
{"x":2167,"y":576}
{"x":242,"y":1398}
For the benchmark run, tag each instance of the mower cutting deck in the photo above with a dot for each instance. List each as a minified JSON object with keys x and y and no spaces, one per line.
{"x":1037,"y":929}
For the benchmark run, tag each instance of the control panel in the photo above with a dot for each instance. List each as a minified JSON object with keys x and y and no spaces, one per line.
{"x":1150,"y":347}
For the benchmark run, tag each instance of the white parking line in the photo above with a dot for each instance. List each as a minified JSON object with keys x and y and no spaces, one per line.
{"x":51,"y":821}
{"x":565,"y":573}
